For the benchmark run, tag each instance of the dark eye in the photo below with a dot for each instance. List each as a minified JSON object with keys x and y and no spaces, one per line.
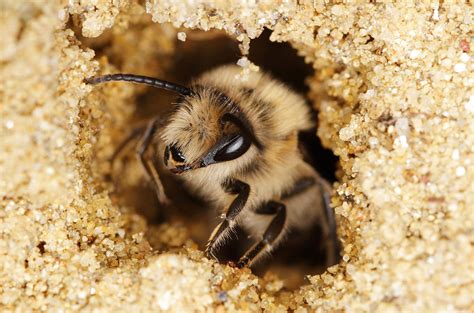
{"x":177,"y":155}
{"x":233,"y":149}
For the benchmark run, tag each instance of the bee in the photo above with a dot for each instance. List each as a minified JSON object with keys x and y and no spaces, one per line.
{"x":235,"y":143}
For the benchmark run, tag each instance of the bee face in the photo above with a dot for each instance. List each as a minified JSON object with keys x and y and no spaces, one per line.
{"x":227,"y":149}
{"x":199,"y":135}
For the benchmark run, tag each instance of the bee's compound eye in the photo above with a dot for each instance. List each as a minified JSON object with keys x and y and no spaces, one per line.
{"x":177,"y":155}
{"x":233,"y":149}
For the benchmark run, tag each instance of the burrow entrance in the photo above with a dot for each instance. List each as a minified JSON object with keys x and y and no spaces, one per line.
{"x":301,"y":254}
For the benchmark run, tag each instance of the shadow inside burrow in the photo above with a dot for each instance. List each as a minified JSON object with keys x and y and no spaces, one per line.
{"x":298,"y":256}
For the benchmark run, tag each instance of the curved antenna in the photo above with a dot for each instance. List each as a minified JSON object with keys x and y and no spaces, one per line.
{"x":144,"y":80}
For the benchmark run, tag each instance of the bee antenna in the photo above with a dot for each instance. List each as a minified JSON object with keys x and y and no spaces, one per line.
{"x":138,"y":79}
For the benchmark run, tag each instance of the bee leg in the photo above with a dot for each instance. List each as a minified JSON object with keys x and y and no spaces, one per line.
{"x":148,"y":164}
{"x":332,"y":242}
{"x":242,"y":190}
{"x":132,"y":136}
{"x":272,"y":232}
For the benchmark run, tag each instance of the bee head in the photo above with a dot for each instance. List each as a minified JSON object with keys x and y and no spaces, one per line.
{"x":205,"y":129}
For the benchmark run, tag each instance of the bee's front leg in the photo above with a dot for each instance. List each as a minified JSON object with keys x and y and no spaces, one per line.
{"x":242,"y":190}
{"x":133,"y":135}
{"x":148,"y":163}
{"x":271,"y":235}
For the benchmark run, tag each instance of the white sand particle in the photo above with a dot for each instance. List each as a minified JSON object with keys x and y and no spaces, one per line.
{"x":460,"y":67}
{"x":181,"y":36}
{"x":460,"y":171}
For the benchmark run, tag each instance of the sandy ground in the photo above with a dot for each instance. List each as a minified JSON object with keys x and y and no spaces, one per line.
{"x":394,"y":86}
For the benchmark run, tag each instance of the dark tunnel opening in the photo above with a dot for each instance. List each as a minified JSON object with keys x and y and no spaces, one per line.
{"x":301,"y":254}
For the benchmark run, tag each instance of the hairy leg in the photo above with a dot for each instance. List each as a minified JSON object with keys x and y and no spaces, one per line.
{"x":242,"y":190}
{"x":269,"y":237}
{"x":148,"y":163}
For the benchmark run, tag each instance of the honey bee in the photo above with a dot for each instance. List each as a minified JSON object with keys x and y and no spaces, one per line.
{"x":235,"y":143}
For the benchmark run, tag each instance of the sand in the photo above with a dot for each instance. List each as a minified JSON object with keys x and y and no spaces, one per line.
{"x":394,"y":86}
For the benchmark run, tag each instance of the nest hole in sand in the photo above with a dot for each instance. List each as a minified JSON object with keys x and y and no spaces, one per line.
{"x":301,"y":254}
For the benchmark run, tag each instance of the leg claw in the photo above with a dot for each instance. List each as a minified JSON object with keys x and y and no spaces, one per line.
{"x":242,"y":263}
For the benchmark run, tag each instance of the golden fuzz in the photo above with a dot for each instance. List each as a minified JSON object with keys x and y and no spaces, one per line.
{"x":273,"y":110}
